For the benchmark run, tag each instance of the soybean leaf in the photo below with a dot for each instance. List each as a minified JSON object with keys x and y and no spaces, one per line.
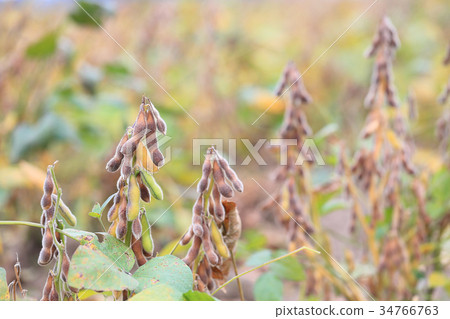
{"x":91,"y":269}
{"x":161,"y":292}
{"x":83,"y":237}
{"x":287,"y":268}
{"x":259,"y":258}
{"x":168,"y":270}
{"x":116,"y":250}
{"x":97,"y":210}
{"x":44,"y":47}
{"x":268,"y":287}
{"x":88,"y":14}
{"x":4,"y":291}
{"x":197,"y":296}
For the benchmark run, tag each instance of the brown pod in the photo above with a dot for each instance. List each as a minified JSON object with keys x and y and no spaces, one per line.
{"x":121,"y":229}
{"x":47,"y":287}
{"x":45,"y":256}
{"x":231,"y":175}
{"x":46,"y":201}
{"x":202,"y":272}
{"x":197,"y":225}
{"x":160,"y":124}
{"x":65,"y":266}
{"x":151,"y":123}
{"x":219,"y":179}
{"x":136,"y":228}
{"x":145,"y":193}
{"x":50,"y":212}
{"x":140,"y":125}
{"x":53,"y":296}
{"x":130,"y":146}
{"x":114,"y":163}
{"x":43,"y":222}
{"x":219,"y":211}
{"x":136,"y":246}
{"x":187,"y":237}
{"x":125,"y":170}
{"x":193,"y":251}
{"x":113,"y":212}
{"x":48,"y":183}
{"x":208,"y":246}
{"x":152,"y":146}
{"x":206,"y":171}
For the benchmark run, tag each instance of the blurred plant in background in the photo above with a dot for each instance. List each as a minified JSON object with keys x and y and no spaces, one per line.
{"x":69,"y":90}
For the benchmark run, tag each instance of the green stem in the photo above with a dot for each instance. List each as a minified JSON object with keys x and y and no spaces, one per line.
{"x":262,"y":265}
{"x":18,"y":222}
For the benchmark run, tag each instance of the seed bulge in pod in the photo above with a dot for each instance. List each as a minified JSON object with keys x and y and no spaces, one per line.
{"x":136,"y":246}
{"x":65,"y":266}
{"x":136,"y":228}
{"x":147,"y":240}
{"x":187,"y":237}
{"x":149,"y":181}
{"x":231,"y":175}
{"x":145,"y":194}
{"x":140,"y":125}
{"x":217,"y":239}
{"x":193,"y":251}
{"x":113,"y":212}
{"x":206,"y":171}
{"x":47,"y":287}
{"x":219,"y":179}
{"x":114,"y":163}
{"x":208,"y":247}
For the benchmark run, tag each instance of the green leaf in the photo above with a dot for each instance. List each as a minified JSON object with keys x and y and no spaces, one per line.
{"x":97,"y":210}
{"x":161,"y":292}
{"x":168,"y":270}
{"x":83,"y":237}
{"x":93,"y":270}
{"x":116,"y":250}
{"x":268,"y":287}
{"x":259,"y":258}
{"x":197,"y":296}
{"x":287,"y":268}
{"x":44,"y":47}
{"x":86,"y":12}
{"x":4,"y":291}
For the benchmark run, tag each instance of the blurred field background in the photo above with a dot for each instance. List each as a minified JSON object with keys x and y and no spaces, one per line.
{"x":68,"y":91}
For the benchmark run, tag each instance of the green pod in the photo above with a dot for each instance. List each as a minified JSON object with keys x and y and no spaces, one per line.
{"x":133,"y":198}
{"x":65,"y":212}
{"x":150,"y":182}
{"x":147,"y":240}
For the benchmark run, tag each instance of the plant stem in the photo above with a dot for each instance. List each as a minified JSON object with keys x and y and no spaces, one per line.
{"x":241,"y":291}
{"x":264,"y":264}
{"x":18,"y":222}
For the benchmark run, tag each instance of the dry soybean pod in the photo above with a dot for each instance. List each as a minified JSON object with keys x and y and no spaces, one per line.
{"x":125,"y":170}
{"x":114,"y":163}
{"x":193,"y":251}
{"x":133,"y":198}
{"x":53,"y":296}
{"x":208,"y":246}
{"x":219,"y":211}
{"x":160,"y":124}
{"x":197,"y":211}
{"x":130,"y":146}
{"x":151,"y":184}
{"x":219,"y":179}
{"x":231,"y":174}
{"x":47,"y":287}
{"x":206,"y":171}
{"x":151,"y":123}
{"x":140,"y":126}
{"x":46,"y":200}
{"x":152,"y":146}
{"x":45,"y":255}
{"x":65,"y":266}
{"x":113,"y":212}
{"x":121,"y":229}
{"x":136,"y":246}
{"x":187,"y":237}
{"x":145,"y":194}
{"x":136,"y":228}
{"x":112,"y":229}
